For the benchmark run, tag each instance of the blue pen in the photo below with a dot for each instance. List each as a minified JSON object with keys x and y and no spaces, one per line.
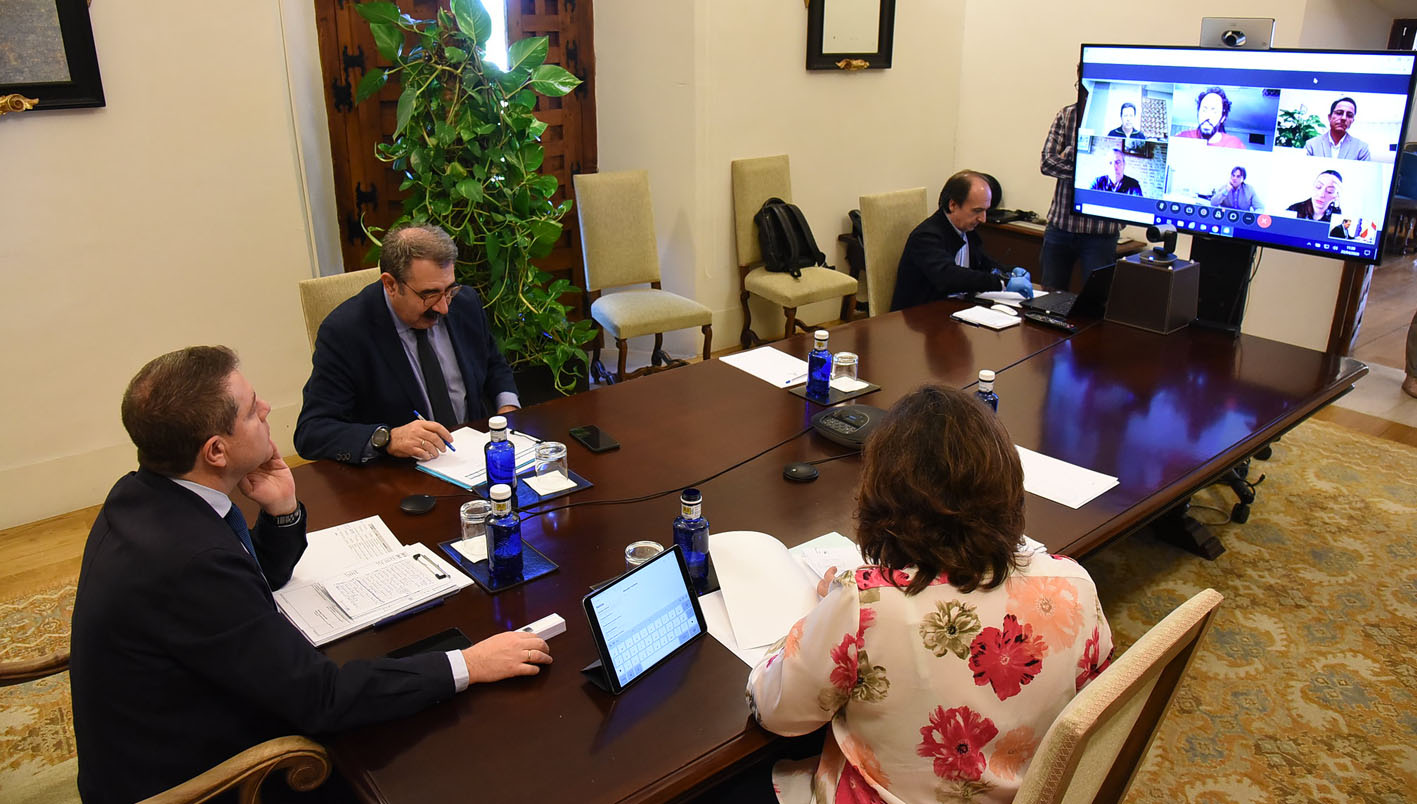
{"x":393,"y":618}
{"x":445,"y":443}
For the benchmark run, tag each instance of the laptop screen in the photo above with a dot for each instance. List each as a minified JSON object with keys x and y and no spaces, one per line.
{"x":644,"y":616}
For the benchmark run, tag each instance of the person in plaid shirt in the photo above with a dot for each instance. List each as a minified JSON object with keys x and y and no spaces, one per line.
{"x":1070,"y":236}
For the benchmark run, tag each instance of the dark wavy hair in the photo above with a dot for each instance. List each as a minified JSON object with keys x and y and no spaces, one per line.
{"x":942,"y":488}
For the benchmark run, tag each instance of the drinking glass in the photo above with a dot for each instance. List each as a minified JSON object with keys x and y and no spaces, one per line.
{"x":844,"y":365}
{"x":551,"y":460}
{"x":473,"y":516}
{"x":637,"y":553}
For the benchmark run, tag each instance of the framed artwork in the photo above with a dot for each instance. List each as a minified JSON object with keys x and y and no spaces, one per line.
{"x":47,"y":53}
{"x":850,"y":34}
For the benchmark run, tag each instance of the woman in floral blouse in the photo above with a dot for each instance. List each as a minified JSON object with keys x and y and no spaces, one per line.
{"x":941,"y":663}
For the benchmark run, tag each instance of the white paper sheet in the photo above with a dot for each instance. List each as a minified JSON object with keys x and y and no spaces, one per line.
{"x":1060,"y":481}
{"x":549,"y":484}
{"x":716,"y":616}
{"x":846,"y":385}
{"x":1008,"y":297}
{"x":466,"y":465}
{"x":770,"y":365}
{"x":986,"y":317}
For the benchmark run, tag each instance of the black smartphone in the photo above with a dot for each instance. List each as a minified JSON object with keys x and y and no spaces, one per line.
{"x":594,"y":439}
{"x":441,"y":642}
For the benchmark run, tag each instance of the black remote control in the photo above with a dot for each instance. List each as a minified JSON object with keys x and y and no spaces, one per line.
{"x":1050,"y":321}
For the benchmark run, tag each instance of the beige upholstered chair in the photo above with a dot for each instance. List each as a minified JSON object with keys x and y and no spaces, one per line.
{"x":304,"y":761}
{"x":887,"y":219}
{"x":619,"y":248}
{"x":755,"y":181}
{"x":1093,"y":749}
{"x":323,"y":294}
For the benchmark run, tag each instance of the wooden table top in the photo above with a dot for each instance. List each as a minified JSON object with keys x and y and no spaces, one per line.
{"x":1165,"y":414}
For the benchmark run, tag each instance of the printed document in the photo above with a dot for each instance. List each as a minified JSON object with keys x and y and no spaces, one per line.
{"x":770,"y":365}
{"x":465,"y":466}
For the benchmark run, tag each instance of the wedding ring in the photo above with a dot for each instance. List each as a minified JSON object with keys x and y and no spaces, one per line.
{"x":528,"y":657}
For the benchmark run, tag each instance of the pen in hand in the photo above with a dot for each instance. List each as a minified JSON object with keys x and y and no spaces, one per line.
{"x":447,"y":444}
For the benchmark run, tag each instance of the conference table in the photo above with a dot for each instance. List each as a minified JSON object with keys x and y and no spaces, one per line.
{"x":1166,"y":415}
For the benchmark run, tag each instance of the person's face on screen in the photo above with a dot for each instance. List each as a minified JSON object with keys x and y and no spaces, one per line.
{"x":976,"y":206}
{"x":423,"y":297}
{"x":1236,"y":179}
{"x":1341,"y":118}
{"x":1129,"y":119}
{"x":1119,"y":165}
{"x":1210,"y":115}
{"x":1326,"y":190}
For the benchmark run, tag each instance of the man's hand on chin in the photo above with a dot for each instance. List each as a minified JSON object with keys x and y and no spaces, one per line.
{"x":271,"y":485}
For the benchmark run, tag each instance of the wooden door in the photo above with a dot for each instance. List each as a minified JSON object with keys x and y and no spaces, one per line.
{"x":367,"y":190}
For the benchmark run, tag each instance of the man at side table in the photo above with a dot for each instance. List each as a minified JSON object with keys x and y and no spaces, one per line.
{"x":179,"y":657}
{"x":944,"y":256}
{"x":414,"y":344}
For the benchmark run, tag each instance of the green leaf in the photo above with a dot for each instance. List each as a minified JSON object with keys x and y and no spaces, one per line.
{"x":381,"y":12}
{"x":553,"y":81}
{"x":418,"y":161}
{"x":532,"y":156}
{"x":456,"y":55}
{"x":372,"y":82}
{"x":545,"y":186}
{"x":526,"y":55}
{"x":544,"y":234}
{"x":405,"y":109}
{"x":535,"y":129}
{"x":471,"y":189}
{"x":473,"y":20}
{"x":388,"y":38}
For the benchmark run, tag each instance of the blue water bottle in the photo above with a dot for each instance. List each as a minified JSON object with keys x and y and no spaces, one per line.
{"x":985,"y":392}
{"x":819,"y":367}
{"x":501,"y":454}
{"x":691,"y":532}
{"x":504,"y":537}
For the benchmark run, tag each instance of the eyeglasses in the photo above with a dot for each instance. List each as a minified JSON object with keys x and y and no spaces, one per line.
{"x":431,"y":297}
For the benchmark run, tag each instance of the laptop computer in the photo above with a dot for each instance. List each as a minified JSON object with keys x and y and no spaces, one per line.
{"x":1090,"y":303}
{"x":641,"y":619}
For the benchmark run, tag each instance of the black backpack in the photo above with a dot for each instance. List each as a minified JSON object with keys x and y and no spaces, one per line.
{"x":785,"y":238}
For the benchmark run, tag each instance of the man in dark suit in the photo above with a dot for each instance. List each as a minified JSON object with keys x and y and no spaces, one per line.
{"x":413,"y":341}
{"x":944,"y":256}
{"x":179,"y":658}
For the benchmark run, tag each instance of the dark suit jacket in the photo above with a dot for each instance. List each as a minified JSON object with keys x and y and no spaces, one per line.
{"x":179,"y":658}
{"x":927,"y":265}
{"x":361,"y":377}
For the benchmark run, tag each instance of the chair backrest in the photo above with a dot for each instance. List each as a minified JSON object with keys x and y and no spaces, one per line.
{"x":618,"y":244}
{"x":323,"y":294}
{"x":1094,"y":747}
{"x":755,"y":181}
{"x":887,"y":219}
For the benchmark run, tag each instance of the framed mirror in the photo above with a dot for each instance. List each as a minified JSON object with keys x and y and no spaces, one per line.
{"x":850,"y":34}
{"x":52,"y":53}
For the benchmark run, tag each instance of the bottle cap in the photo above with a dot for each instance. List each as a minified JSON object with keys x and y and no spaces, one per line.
{"x":497,"y":423}
{"x":821,"y":334}
{"x":500,"y":491}
{"x":985,"y":375}
{"x":691,"y":496}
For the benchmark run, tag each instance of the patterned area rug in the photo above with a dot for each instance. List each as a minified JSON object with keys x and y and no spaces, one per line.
{"x":1304,"y":689}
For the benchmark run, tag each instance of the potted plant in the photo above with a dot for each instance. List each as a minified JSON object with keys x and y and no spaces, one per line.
{"x":467,"y":143}
{"x":1294,"y":127}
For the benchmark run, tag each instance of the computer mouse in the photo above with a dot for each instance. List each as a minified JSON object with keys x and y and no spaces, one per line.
{"x":417,"y":504}
{"x":1004,"y":308}
{"x":800,"y":472}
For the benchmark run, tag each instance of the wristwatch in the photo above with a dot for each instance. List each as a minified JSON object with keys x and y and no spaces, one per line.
{"x":380,"y":440}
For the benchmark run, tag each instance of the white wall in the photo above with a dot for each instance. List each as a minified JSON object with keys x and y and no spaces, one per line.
{"x":173,"y":216}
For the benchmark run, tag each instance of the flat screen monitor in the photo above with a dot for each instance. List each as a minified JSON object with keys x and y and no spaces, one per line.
{"x":1241,"y":143}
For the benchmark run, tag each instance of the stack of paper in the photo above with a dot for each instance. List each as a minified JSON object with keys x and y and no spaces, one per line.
{"x":353,"y":575}
{"x":770,"y":365}
{"x":986,"y":317}
{"x":465,"y":465}
{"x":1060,"y":481}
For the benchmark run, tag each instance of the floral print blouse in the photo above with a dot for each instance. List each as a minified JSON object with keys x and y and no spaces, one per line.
{"x":942,"y":696}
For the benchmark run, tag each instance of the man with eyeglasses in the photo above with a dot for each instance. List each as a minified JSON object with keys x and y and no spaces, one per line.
{"x":1337,"y":142}
{"x":403,"y":362}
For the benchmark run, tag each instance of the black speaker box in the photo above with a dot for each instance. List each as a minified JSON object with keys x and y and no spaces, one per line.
{"x":1157,"y":298}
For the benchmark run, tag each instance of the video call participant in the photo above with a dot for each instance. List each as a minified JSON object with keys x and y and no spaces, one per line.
{"x":1323,"y":205}
{"x":1117,"y":181}
{"x":179,"y":657}
{"x":943,"y":255}
{"x":1212,"y":109}
{"x":1337,"y":142}
{"x":415,"y":340}
{"x":1128,"y":131}
{"x":1237,"y":194}
{"x":1070,"y":237}
{"x":942,"y":662}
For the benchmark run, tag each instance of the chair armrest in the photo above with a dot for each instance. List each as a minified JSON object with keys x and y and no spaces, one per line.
{"x":18,"y":672}
{"x":305,"y":762}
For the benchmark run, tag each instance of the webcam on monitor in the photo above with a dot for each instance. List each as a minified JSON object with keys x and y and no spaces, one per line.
{"x":1237,"y":33}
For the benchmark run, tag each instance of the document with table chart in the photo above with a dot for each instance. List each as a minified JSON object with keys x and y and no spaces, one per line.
{"x":645,"y":618}
{"x":355,"y":574}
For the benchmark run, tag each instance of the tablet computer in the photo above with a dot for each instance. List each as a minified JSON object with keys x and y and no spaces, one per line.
{"x":641,"y":619}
